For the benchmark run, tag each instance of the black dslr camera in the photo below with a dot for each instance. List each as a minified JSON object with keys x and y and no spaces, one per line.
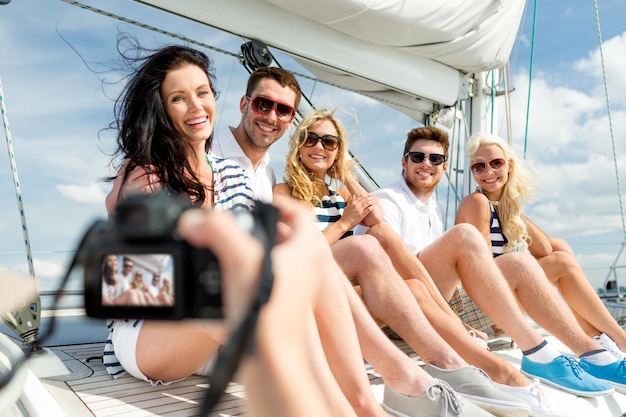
{"x":135,"y":268}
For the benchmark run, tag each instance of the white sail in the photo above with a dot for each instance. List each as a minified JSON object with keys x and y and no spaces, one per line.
{"x":409,"y":54}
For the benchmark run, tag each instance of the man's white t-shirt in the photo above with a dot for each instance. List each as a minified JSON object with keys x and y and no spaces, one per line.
{"x":154,"y":290}
{"x":417,"y":223}
{"x":262,"y":180}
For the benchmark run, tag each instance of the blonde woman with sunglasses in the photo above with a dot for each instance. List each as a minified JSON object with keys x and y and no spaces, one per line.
{"x":505,"y":184}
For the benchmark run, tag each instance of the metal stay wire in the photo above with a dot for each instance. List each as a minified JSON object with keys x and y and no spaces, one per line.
{"x":16,"y":182}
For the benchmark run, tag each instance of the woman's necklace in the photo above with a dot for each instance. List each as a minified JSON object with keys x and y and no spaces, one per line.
{"x":322,"y":190}
{"x":209,"y":161}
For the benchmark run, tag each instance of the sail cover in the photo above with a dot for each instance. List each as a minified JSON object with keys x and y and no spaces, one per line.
{"x":410,"y":54}
{"x":467,"y":35}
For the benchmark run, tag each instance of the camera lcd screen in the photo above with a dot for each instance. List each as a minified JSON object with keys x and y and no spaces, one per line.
{"x":138,"y":280}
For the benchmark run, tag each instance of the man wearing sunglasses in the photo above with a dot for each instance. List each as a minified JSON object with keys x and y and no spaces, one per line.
{"x":460,"y":255}
{"x":267,"y":111}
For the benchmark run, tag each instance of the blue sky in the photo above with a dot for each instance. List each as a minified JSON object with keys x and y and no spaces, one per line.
{"x":58,"y":109}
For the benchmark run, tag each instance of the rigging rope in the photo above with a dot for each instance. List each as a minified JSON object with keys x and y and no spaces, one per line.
{"x":493,"y":91}
{"x":530,"y":75}
{"x":492,"y":87}
{"x":152,"y":28}
{"x":16,"y":182}
{"x":608,"y":106}
{"x":507,"y":102}
{"x":232,"y":54}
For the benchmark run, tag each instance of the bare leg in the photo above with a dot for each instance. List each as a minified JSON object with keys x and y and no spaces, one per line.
{"x":341,"y":344}
{"x":542,"y":301}
{"x":448,"y":263}
{"x":340,"y":405}
{"x":291,"y":355}
{"x":362,"y":258}
{"x":438,"y":312}
{"x":281,"y":340}
{"x":453,"y":331}
{"x":563,"y":271}
{"x":162,"y":356}
{"x":407,"y":264}
{"x":397,"y":369}
{"x":130,"y":297}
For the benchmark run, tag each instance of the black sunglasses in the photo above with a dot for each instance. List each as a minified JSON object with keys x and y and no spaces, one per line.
{"x":496,"y":164}
{"x":418,"y":157}
{"x":264,"y":105}
{"x":329,"y":142}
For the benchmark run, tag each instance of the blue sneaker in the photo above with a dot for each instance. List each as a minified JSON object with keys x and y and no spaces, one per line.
{"x":566,"y":374}
{"x":613,"y":373}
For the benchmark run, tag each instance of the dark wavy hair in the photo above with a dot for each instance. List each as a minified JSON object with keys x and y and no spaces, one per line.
{"x":107,"y":272}
{"x":146,"y":136}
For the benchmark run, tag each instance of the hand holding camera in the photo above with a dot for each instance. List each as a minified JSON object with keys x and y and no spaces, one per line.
{"x":143,"y":233}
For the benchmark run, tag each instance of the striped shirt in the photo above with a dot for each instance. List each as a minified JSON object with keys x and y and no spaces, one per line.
{"x":262,"y":177}
{"x":231,"y":186}
{"x":231,"y":191}
{"x":498,"y":240}
{"x":330,"y":211}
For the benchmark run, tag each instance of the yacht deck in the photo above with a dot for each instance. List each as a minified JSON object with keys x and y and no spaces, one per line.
{"x":89,"y":391}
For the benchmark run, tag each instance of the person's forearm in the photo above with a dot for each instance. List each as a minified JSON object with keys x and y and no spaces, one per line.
{"x":540,"y":245}
{"x":335,"y":231}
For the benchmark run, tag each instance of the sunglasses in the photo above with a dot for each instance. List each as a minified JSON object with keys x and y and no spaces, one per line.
{"x":264,"y":105}
{"x":329,"y":142}
{"x":418,"y":157}
{"x":497,"y":164}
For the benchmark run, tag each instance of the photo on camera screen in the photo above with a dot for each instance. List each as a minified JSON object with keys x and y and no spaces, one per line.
{"x":138,"y":280}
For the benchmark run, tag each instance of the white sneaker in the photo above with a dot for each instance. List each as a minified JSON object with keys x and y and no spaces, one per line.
{"x":478,"y":340}
{"x":606,"y":342}
{"x":438,"y":400}
{"x":474,"y":385}
{"x":534,"y":396}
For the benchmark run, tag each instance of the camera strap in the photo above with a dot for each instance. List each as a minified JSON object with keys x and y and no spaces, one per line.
{"x":242,"y":341}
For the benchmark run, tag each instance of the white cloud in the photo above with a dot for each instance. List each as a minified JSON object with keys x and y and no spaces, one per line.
{"x":88,"y":194}
{"x":614,"y":51}
{"x":44,"y":270}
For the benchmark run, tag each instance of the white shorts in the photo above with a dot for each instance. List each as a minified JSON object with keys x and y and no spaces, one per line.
{"x":124,"y":338}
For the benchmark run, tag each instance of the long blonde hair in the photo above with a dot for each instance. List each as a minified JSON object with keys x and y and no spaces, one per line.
{"x":516,"y":192}
{"x":137,"y":281}
{"x":300,"y":179}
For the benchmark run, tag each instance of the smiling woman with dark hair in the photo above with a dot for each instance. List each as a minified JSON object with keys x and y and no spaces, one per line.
{"x":165,"y":117}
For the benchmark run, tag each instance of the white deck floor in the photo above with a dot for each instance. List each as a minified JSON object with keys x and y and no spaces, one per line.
{"x":90,"y":391}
